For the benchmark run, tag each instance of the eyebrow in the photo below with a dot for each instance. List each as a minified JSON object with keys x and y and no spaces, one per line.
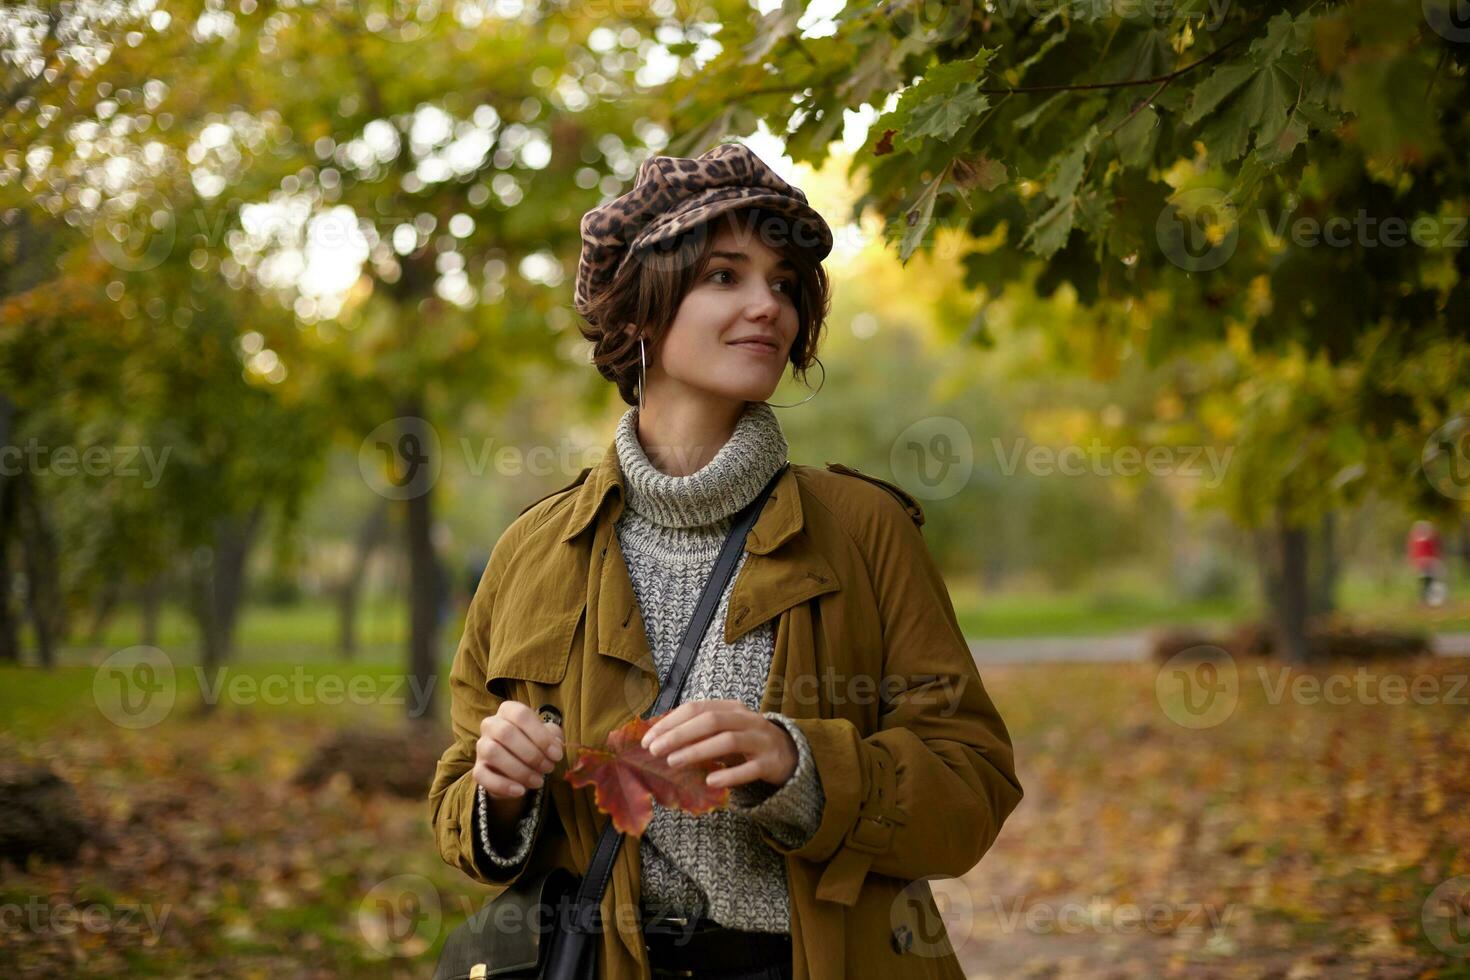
{"x":742,"y":257}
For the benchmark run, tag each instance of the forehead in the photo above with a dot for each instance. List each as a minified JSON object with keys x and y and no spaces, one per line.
{"x":742,"y":234}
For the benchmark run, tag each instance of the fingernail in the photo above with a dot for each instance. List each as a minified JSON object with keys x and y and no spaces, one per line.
{"x":556,"y":752}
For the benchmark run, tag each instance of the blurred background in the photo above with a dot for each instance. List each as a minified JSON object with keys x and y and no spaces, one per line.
{"x":1160,"y":311}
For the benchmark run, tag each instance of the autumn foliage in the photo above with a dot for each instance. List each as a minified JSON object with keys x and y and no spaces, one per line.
{"x":628,"y":779}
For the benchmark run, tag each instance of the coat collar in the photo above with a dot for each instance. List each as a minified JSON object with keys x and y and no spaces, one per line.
{"x":783,"y":568}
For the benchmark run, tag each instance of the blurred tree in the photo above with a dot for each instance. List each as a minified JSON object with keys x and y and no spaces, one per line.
{"x":1119,"y":148}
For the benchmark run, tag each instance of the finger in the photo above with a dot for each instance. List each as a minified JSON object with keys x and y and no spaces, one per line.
{"x":723,"y":743}
{"x":494,"y":757}
{"x":497,"y":785}
{"x":684,"y":712}
{"x":747,"y":772}
{"x":694,"y":728}
{"x":547,"y":741}
{"x":529,"y":722}
{"x":702,"y":726}
{"x":520,"y":745}
{"x":668,"y":719}
{"x":558,"y":739}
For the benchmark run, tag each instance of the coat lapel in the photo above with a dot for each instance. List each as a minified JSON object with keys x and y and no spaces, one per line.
{"x":781,"y":568}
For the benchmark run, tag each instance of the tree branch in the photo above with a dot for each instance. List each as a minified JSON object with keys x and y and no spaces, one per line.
{"x":1093,"y":86}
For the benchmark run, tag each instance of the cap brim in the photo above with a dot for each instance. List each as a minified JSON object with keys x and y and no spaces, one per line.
{"x":810,"y":230}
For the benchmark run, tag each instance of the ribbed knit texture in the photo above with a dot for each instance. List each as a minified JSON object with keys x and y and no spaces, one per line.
{"x":714,"y":865}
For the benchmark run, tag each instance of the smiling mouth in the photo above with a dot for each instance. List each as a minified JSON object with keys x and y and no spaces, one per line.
{"x":759,"y":345}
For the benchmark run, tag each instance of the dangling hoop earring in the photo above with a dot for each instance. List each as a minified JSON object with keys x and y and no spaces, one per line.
{"x":642,"y":371}
{"x":814,"y":391}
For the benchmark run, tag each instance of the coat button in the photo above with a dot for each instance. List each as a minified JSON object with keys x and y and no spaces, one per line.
{"x":902,"y":939}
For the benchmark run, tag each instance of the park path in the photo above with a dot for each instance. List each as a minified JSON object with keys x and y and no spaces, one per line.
{"x":1122,"y":648}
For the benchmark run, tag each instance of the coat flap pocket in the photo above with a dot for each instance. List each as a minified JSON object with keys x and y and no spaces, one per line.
{"x":536,"y":650}
{"x":535,"y":621}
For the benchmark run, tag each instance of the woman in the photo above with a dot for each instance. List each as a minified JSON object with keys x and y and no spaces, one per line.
{"x":861,"y":750}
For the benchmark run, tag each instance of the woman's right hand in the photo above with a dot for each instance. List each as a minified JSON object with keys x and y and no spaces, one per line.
{"x":515,"y":749}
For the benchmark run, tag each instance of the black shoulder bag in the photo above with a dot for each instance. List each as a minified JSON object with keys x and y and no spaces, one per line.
{"x":543,"y":925}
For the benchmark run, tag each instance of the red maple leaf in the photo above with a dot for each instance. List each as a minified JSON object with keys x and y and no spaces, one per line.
{"x":627,"y":779}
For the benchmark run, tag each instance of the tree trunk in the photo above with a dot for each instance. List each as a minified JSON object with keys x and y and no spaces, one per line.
{"x":216,"y":585}
{"x":202,"y":605}
{"x":369,"y":535}
{"x":234,"y":538}
{"x":9,"y":528}
{"x":1465,"y":544}
{"x":43,"y":583}
{"x":1291,"y":624}
{"x":1326,"y":568}
{"x":9,"y":627}
{"x":102,"y":612}
{"x":1268,"y":571}
{"x":423,"y":590}
{"x":150,"y":600}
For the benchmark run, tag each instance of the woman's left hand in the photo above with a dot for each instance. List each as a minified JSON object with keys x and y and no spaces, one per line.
{"x":752,"y":746}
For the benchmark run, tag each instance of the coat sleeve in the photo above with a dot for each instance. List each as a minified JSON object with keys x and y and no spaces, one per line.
{"x":453,"y":800}
{"x":927,"y":792}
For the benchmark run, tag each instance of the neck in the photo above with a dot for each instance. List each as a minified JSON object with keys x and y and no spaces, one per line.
{"x":728,"y":478}
{"x":681,"y":438}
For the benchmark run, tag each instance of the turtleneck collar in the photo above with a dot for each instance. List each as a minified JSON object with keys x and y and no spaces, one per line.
{"x":729,"y":481}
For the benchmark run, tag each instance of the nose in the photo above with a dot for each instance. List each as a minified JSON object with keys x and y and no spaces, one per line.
{"x":766,"y":302}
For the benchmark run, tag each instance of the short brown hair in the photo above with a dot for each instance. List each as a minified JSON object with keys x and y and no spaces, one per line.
{"x":649,"y":287}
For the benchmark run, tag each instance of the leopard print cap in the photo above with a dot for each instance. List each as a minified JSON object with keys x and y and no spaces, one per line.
{"x":674,"y":194}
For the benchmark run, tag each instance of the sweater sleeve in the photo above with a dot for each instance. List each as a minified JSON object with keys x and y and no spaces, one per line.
{"x":792,"y":811}
{"x":523,"y":834}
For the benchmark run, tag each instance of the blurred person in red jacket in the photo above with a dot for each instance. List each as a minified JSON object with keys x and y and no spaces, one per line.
{"x":1424,"y":555}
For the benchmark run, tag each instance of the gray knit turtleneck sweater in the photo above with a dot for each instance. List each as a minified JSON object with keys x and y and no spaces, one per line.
{"x":715,"y":865}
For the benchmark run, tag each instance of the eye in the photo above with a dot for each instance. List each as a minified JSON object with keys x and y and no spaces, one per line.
{"x":789,"y":284}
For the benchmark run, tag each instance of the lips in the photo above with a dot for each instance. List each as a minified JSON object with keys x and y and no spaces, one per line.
{"x":756,"y":343}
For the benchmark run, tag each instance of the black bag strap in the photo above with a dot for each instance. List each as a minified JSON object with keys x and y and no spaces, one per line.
{"x":588,"y":901}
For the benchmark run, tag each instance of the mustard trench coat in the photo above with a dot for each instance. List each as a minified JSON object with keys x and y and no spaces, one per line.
{"x":915,"y":762}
